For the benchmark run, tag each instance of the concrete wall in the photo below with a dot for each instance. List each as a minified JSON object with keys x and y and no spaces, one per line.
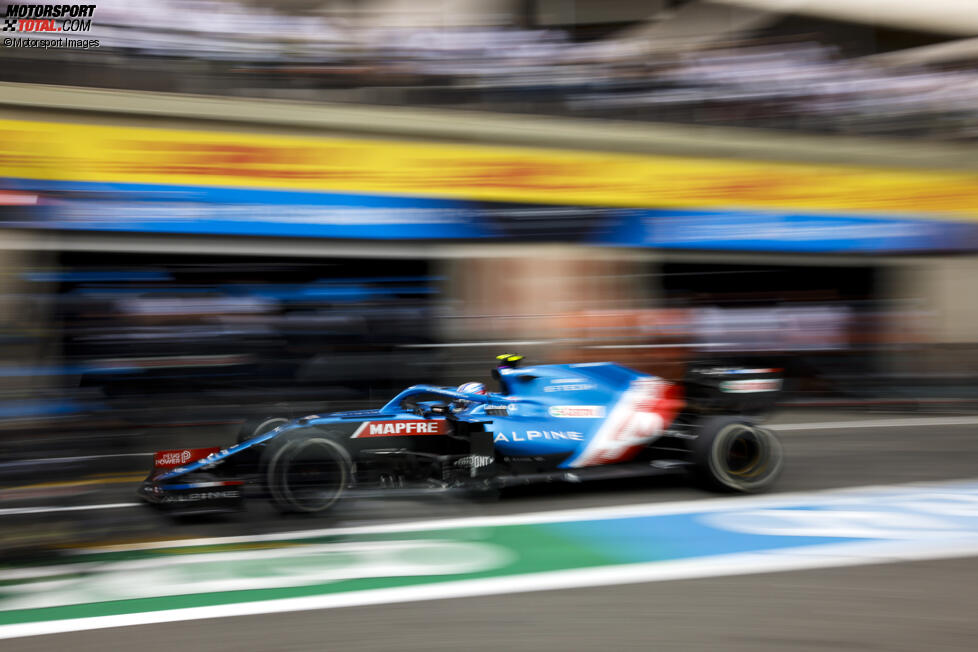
{"x":524,"y":293}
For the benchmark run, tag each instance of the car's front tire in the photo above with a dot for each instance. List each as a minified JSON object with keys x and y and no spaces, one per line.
{"x":733,"y":453}
{"x":259,"y":426}
{"x":306,"y":471}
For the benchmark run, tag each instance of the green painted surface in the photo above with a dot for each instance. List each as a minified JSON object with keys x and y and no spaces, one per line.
{"x":529,"y":549}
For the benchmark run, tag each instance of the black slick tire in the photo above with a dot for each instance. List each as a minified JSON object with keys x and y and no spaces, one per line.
{"x":734,"y":454}
{"x":306,"y":471}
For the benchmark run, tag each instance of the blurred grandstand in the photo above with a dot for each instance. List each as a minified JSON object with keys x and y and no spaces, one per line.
{"x":819,"y":67}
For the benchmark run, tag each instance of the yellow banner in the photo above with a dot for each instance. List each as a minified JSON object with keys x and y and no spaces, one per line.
{"x":71,"y":152}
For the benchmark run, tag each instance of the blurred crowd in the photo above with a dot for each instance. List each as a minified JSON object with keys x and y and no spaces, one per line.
{"x":233,"y":48}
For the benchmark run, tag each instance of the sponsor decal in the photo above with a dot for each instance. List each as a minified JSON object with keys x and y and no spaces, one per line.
{"x":202,"y":495}
{"x":729,"y":371}
{"x":474,"y":461}
{"x":202,"y":485}
{"x":401,"y":428}
{"x":530,"y":435}
{"x":173,"y":458}
{"x":577,"y":411}
{"x":578,"y":387}
{"x":749,"y":386}
{"x":500,"y":410}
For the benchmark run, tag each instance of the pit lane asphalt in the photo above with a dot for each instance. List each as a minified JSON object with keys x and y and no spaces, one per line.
{"x":822,"y":455}
{"x":908,"y":606}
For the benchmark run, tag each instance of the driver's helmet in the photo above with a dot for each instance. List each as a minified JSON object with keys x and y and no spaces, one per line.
{"x":472,"y":388}
{"x":468,"y":388}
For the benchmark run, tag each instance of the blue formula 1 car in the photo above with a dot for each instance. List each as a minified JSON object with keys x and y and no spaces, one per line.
{"x":548,"y":423}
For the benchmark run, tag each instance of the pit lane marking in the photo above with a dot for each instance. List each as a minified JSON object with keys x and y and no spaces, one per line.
{"x":797,"y":541}
{"x":722,"y":504}
{"x":728,"y":565}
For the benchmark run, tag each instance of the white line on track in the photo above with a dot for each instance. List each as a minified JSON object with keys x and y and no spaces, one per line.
{"x":11,"y":511}
{"x":62,"y":460}
{"x":904,"y":422}
{"x":854,"y":554}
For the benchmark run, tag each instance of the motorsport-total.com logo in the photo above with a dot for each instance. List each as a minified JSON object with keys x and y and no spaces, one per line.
{"x":48,"y":18}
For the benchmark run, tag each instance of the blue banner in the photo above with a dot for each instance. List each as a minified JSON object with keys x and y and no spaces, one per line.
{"x":761,"y":231}
{"x":275,"y":213}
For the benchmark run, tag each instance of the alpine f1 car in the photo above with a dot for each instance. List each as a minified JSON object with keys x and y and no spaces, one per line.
{"x":548,"y":423}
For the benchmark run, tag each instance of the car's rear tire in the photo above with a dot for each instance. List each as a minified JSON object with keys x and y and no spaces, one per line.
{"x":733,"y":453}
{"x":306,"y":471}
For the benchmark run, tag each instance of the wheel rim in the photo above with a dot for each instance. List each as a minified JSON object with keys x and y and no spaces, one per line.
{"x":746,"y":457}
{"x":744,"y":453}
{"x":312,"y":475}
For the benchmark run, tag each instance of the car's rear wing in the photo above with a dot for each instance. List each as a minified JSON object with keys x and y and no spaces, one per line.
{"x":735,"y":388}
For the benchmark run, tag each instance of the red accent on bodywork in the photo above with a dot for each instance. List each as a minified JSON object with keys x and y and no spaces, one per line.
{"x":666,"y":404}
{"x":670,"y":403}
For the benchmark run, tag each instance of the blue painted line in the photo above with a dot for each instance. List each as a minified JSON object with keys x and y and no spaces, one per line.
{"x":919,"y":515}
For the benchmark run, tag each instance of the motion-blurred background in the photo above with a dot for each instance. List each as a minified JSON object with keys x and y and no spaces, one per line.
{"x":229,"y":207}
